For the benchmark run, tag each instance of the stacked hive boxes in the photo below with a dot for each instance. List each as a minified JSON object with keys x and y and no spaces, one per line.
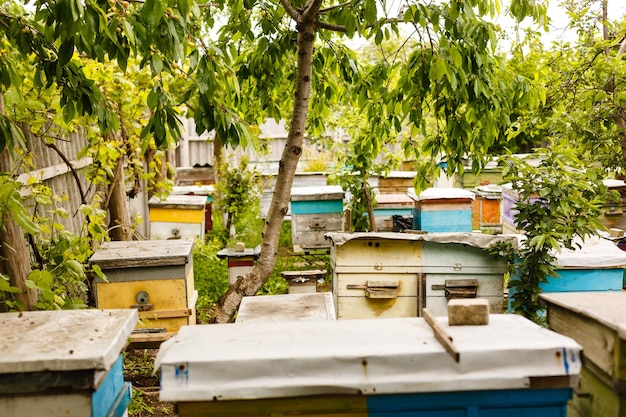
{"x":443,"y":210}
{"x":315,"y":211}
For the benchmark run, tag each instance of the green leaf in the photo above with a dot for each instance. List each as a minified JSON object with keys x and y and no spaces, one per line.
{"x":21,"y":216}
{"x":66,"y":51}
{"x":157,"y":64}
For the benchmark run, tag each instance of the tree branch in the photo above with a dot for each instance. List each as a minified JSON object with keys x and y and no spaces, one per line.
{"x":332,"y":27}
{"x":337,"y":6}
{"x":83,"y":196}
{"x":312,"y":9}
{"x":295,"y":15}
{"x":342,"y":29}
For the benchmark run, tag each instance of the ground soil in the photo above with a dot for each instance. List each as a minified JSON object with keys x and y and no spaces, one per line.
{"x":138,"y":369}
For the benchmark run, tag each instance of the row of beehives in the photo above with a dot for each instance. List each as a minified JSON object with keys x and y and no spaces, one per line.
{"x":315,"y":211}
{"x":373,"y":275}
{"x":376,"y":277}
{"x":70,"y":363}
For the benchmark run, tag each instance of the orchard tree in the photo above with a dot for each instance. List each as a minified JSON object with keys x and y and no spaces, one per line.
{"x":452,"y":75}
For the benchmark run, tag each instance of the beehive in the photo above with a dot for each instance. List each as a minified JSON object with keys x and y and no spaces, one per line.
{"x":315,"y":211}
{"x":389,"y":205}
{"x":201,"y":190}
{"x":177,"y":217}
{"x":153,"y":276}
{"x":64,"y":363}
{"x":398,"y":274}
{"x":597,"y":321}
{"x":443,"y":210}
{"x":396,"y":182}
{"x":508,"y":211}
{"x":240,"y":262}
{"x":597,"y":265}
{"x":614,"y":213}
{"x":286,"y":307}
{"x":486,"y":209}
{"x":369,"y":368}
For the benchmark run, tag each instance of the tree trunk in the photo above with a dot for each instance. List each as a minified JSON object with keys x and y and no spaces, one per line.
{"x":119,"y":212}
{"x":253,"y":281}
{"x":370,"y":207}
{"x":14,"y":255}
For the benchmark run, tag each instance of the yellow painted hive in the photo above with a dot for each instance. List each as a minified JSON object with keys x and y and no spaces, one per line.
{"x":153,"y":276}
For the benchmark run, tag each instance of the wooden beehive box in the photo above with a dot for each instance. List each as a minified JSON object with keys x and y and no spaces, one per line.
{"x":195,"y":176}
{"x":152,"y":276}
{"x":398,"y":274}
{"x":202,"y":190}
{"x":177,"y":217}
{"x":389,"y":205}
{"x":315,"y":211}
{"x":597,"y":321}
{"x":486,"y":209}
{"x":469,"y":180}
{"x":393,"y":367}
{"x":286,"y":307}
{"x":443,"y":210}
{"x":240,"y":262}
{"x":64,"y":363}
{"x":396,"y":182}
{"x":508,"y":212}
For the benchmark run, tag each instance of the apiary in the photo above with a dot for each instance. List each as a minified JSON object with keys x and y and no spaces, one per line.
{"x":177,"y":217}
{"x":64,"y":363}
{"x":315,"y":211}
{"x":391,"y":367}
{"x":154,"y":277}
{"x":397,"y":274}
{"x":443,"y":210}
{"x":389,"y":205}
{"x":596,"y":321}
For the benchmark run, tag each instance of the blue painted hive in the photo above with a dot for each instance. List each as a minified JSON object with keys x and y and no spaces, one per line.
{"x":375,"y":367}
{"x":64,"y":363}
{"x":315,"y":211}
{"x":443,"y":210}
{"x":598,"y":265}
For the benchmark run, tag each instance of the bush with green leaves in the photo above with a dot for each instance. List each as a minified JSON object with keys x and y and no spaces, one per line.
{"x":236,"y":192}
{"x":59,"y":267}
{"x":558,"y":202}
